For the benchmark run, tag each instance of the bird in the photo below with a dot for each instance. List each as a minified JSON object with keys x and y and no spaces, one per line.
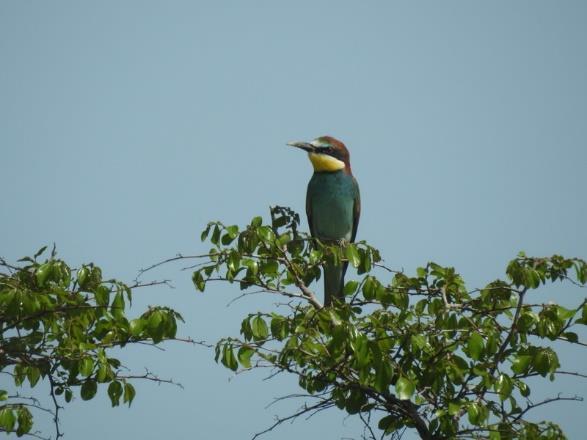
{"x":333,"y":204}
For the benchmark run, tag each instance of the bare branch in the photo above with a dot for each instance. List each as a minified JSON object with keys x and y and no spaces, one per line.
{"x":531,"y":405}
{"x":304,"y":410}
{"x":56,"y":405}
{"x":170,"y":260}
{"x":151,"y":377}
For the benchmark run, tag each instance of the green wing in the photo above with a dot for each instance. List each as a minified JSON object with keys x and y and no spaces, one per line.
{"x":356,"y":210}
{"x":309,"y":210}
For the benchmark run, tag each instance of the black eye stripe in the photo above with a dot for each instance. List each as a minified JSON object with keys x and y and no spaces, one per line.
{"x":331,"y":151}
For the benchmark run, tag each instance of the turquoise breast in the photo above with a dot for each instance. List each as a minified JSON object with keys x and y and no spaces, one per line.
{"x":331,"y":199}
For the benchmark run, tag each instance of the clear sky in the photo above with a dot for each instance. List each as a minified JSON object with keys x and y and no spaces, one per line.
{"x":126,"y":125}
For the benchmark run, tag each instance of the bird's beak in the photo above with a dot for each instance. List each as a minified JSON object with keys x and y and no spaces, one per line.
{"x":306,"y":146}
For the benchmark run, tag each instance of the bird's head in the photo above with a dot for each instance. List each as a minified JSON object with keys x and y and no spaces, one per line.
{"x":326,"y":153}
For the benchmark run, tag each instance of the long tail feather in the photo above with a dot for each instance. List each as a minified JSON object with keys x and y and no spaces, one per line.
{"x":333,"y":282}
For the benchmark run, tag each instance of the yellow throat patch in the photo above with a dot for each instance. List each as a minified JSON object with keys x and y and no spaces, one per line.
{"x":324,"y":162}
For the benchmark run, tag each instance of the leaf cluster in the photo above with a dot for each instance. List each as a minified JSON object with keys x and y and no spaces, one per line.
{"x":423,"y":351}
{"x":275,"y":257}
{"x":60,"y":325}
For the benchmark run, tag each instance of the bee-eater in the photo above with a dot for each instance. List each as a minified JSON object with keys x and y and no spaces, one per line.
{"x":333,"y":204}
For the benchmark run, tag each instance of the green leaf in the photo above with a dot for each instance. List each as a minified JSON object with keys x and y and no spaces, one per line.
{"x":521,"y":363}
{"x":104,"y":373}
{"x":205,"y":232}
{"x":421,"y":272}
{"x":259,"y":328}
{"x":95,"y":278}
{"x":279,"y":221}
{"x":524,"y":389}
{"x":155,"y":326}
{"x":400,"y":299}
{"x":244,"y":356}
{"x":3,"y":395}
{"x":43,"y":273}
{"x":383,"y":375}
{"x":492,"y":344}
{"x":454,"y":408}
{"x":7,"y":419}
{"x":564,"y":313}
{"x":366,"y":262}
{"x":198,"y":281}
{"x":504,"y":386}
{"x":270,"y":267}
{"x":129,"y":393}
{"x":356,"y":401}
{"x":39,"y":252}
{"x":226,"y":239}
{"x":266,"y":233}
{"x":283,"y":239}
{"x":19,"y":374}
{"x":25,"y":421}
{"x":257,"y":221}
{"x":420,"y":306}
{"x":581,"y":272}
{"x":418,"y":341}
{"x":279,"y":328}
{"x":370,"y":288}
{"x":515,"y":273}
{"x":532,"y":278}
{"x":545,"y":361}
{"x":136,"y":327}
{"x":232,"y":231}
{"x":353,"y":255}
{"x":114,"y":392}
{"x":102,"y":295}
{"x":33,"y":375}
{"x":234,"y":261}
{"x":435,"y":307}
{"x":89,"y":389}
{"x":494,"y":434}
{"x":404,"y":388}
{"x":82,"y":276}
{"x":117,"y":307}
{"x":215,"y":235}
{"x":571,"y":337}
{"x":473,"y":414}
{"x":360,"y":347}
{"x":228,"y":359}
{"x":350,"y":287}
{"x":389,"y":424}
{"x":475,"y":345}
{"x":86,"y":366}
{"x":315,"y":256}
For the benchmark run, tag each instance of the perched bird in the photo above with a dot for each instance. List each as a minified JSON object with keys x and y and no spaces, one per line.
{"x":333,"y":204}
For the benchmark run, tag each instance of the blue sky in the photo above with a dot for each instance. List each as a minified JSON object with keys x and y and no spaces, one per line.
{"x":126,"y":125}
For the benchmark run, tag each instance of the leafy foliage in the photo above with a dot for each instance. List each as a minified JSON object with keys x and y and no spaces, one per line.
{"x":423,"y":351}
{"x":60,"y":325}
